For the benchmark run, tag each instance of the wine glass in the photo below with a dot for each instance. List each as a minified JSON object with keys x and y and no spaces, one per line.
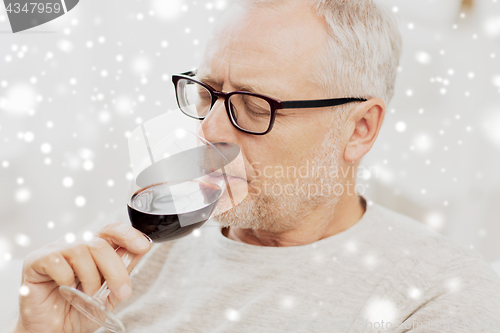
{"x":179,"y":178}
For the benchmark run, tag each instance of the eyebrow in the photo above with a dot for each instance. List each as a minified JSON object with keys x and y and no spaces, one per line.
{"x":238,"y":86}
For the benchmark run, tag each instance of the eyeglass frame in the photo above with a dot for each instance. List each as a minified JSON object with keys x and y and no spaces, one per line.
{"x":275,"y":104}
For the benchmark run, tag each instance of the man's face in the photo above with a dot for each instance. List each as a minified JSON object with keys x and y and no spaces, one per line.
{"x":272,"y":52}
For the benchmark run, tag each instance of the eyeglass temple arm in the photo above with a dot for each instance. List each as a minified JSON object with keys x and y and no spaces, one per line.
{"x":319,"y":103}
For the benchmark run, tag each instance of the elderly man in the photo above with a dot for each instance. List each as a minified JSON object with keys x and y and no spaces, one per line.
{"x":298,"y":85}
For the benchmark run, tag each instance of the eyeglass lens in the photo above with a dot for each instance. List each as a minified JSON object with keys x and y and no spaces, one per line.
{"x":248,"y":112}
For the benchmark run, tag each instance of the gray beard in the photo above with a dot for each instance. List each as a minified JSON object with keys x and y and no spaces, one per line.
{"x":281,"y":213}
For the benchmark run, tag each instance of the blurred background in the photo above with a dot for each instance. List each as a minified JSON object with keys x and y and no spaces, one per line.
{"x":72,"y":89}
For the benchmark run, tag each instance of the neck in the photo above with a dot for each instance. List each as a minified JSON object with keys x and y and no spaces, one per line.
{"x":346,"y":213}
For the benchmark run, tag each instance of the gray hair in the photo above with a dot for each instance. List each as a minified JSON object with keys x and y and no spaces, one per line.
{"x":363,"y":52}
{"x":362,"y":56}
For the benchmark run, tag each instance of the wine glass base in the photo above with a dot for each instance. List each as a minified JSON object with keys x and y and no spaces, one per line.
{"x":92,"y":309}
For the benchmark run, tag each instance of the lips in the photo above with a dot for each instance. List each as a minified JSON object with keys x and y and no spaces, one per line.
{"x":218,"y":174}
{"x":229,"y":177}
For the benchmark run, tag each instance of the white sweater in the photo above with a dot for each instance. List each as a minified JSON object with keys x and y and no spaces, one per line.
{"x":387,"y":273}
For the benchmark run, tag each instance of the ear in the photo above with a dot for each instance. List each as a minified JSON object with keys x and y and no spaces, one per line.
{"x":363,"y":126}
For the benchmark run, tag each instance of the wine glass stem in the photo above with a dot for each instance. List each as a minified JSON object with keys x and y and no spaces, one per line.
{"x":103,"y":292}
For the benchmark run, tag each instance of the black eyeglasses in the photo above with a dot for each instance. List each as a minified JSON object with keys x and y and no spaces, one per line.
{"x":249,"y":112}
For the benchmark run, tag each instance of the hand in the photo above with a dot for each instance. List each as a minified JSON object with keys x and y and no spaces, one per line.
{"x":82,"y":265}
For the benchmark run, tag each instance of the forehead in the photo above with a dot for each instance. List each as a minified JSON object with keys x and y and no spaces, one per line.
{"x":266,"y":49}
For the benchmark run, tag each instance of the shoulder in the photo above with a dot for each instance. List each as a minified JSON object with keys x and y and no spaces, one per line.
{"x":414,"y":237}
{"x":436,"y":254}
{"x":436,"y":278}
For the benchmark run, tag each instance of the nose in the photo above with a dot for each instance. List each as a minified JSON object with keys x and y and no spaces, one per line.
{"x":217,"y":127}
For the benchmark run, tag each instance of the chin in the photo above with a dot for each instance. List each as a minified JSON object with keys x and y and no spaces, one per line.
{"x":255,"y":215}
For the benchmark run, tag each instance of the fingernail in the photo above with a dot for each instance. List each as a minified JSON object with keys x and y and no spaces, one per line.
{"x":141,"y":243}
{"x":125,"y":291}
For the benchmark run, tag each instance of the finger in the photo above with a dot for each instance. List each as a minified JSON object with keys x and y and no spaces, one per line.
{"x":113,"y":301}
{"x":83,"y":264}
{"x":134,"y":261}
{"x":111,"y":267}
{"x":56,"y":267}
{"x":124,"y":235}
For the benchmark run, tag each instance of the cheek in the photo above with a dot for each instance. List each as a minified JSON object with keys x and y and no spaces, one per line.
{"x":270,"y":149}
{"x":290,"y":143}
{"x":295,"y":148}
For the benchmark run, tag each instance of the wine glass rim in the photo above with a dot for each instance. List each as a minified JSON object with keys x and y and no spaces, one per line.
{"x":129,"y":203}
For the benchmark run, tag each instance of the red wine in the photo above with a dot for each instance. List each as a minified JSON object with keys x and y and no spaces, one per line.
{"x":166,"y":212}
